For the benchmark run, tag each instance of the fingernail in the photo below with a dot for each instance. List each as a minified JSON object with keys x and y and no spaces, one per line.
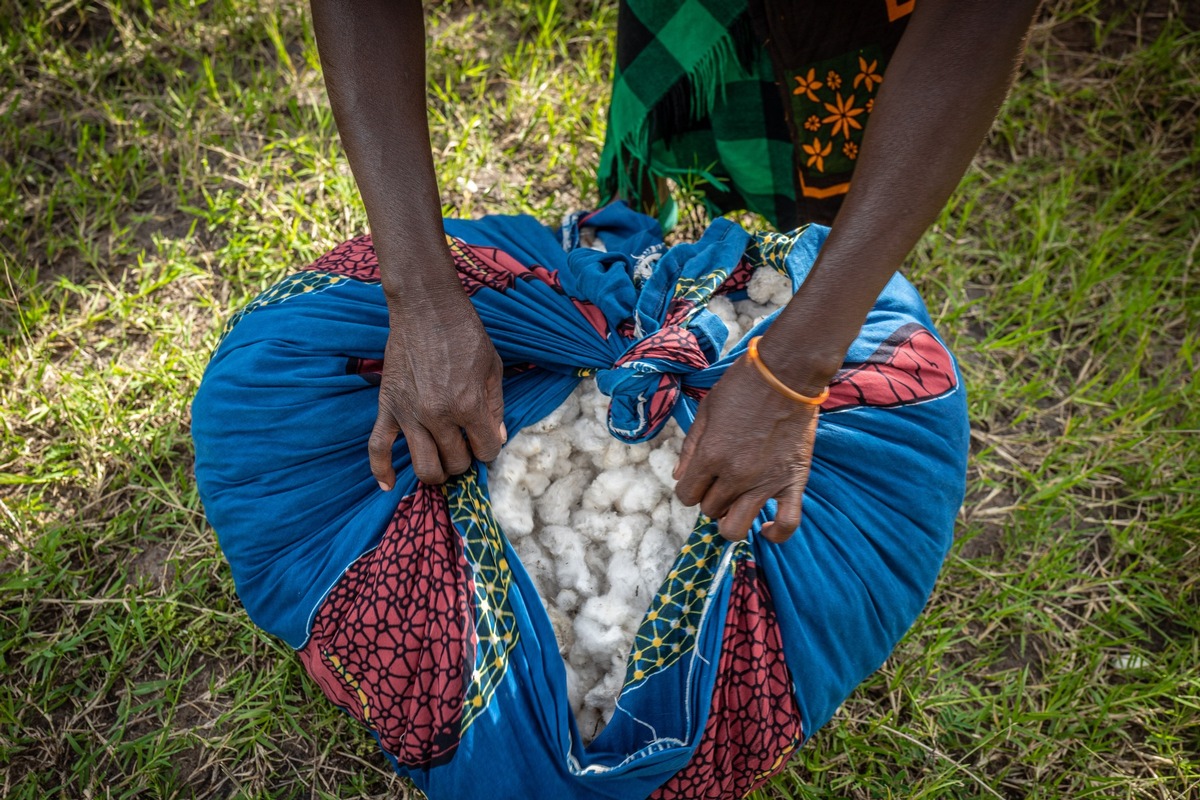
{"x":675,"y":472}
{"x":384,"y":486}
{"x":503,"y":433}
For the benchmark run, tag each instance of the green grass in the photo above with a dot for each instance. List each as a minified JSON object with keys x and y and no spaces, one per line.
{"x":161,"y":163}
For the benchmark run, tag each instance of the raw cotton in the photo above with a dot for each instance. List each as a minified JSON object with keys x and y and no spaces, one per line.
{"x":596,"y":522}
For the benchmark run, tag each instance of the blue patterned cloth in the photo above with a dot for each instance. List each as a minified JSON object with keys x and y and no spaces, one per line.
{"x":412,"y":612}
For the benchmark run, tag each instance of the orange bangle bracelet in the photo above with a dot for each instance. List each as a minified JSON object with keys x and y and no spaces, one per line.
{"x":775,"y":383}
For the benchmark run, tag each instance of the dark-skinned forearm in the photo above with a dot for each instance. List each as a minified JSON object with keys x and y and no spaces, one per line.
{"x":942,"y":89}
{"x":373,"y":57}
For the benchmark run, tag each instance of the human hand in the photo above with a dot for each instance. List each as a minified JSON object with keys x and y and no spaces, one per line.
{"x":441,"y":377}
{"x":747,"y":445}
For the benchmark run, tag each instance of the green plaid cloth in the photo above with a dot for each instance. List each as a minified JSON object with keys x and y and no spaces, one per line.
{"x":699,"y":97}
{"x":694,"y":99}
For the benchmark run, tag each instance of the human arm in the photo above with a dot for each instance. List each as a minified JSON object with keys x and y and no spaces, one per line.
{"x":441,"y":373}
{"x":942,"y":89}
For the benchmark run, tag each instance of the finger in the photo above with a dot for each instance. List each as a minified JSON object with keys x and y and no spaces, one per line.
{"x":488,"y":436}
{"x":694,"y":483}
{"x":718,"y":499}
{"x":485,"y":441}
{"x":495,"y":393}
{"x":735,"y":525}
{"x":426,"y":462}
{"x":452,"y":447}
{"x":787,"y":515}
{"x":379,"y":449}
{"x":689,"y":446}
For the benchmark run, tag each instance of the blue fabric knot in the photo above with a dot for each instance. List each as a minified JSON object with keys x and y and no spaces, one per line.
{"x":646,"y":381}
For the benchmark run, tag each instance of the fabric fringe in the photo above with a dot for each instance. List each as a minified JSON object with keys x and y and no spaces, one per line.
{"x":693,"y":97}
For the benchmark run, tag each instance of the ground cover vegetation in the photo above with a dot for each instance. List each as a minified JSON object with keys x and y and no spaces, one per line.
{"x":161,"y":162}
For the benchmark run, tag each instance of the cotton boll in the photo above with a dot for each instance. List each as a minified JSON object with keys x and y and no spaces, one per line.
{"x":554,"y":454}
{"x":723,"y":307}
{"x":589,"y":435}
{"x":570,"y":560}
{"x":624,"y":536}
{"x":683,"y":518}
{"x":512,"y":507}
{"x":567,"y":600}
{"x":662,"y":465}
{"x":594,"y":526}
{"x":524,"y":445}
{"x":660,"y":517}
{"x":615,"y":455}
{"x":638,"y":453}
{"x":606,"y":612}
{"x":539,"y":564}
{"x":555,"y":505}
{"x":592,"y":401}
{"x":769,"y":287}
{"x":595,"y":638}
{"x":624,"y":585}
{"x":736,"y":332}
{"x":642,"y":494}
{"x":671,"y":436}
{"x":536,"y":483}
{"x":507,"y":468}
{"x":607,"y":487}
{"x":655,"y":554}
{"x":560,"y":417}
{"x":755,"y":312}
{"x":604,"y":696}
{"x":560,"y":540}
{"x":573,"y":572}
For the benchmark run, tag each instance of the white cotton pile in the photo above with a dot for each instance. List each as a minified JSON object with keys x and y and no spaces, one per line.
{"x":768,"y":290}
{"x":596,"y":522}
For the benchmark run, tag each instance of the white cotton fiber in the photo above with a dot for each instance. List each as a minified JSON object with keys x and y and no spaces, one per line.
{"x":563,"y":495}
{"x":615,"y":455}
{"x":644,"y":494}
{"x":590,"y":436}
{"x":596,"y":523}
{"x":560,"y":417}
{"x":594,"y":639}
{"x":513,"y":497}
{"x":769,"y":288}
{"x":607,"y":487}
{"x":682,"y":516}
{"x":625,"y":537}
{"x":567,"y":600}
{"x":536,"y":483}
{"x":660,"y":517}
{"x":724,"y":309}
{"x":662,"y":466}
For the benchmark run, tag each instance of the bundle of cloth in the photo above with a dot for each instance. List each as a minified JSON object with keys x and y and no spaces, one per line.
{"x":413,"y":613}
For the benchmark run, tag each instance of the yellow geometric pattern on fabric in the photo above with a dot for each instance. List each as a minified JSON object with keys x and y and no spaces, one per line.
{"x":495,"y":624}
{"x":770,"y":249}
{"x":292,"y":286}
{"x":766,"y":249}
{"x":780,"y":760}
{"x":352,"y":682}
{"x":700,"y":291}
{"x":671,"y":624}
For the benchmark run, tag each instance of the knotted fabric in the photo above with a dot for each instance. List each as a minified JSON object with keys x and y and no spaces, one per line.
{"x":411,"y":611}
